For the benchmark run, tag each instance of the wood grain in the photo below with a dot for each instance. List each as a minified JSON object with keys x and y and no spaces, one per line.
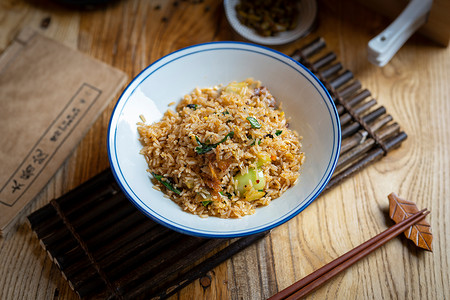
{"x":413,"y":87}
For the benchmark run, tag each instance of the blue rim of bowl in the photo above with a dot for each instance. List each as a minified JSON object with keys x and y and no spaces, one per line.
{"x":128,"y":191}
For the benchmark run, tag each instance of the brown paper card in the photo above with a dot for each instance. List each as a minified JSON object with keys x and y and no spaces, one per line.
{"x":50,"y":95}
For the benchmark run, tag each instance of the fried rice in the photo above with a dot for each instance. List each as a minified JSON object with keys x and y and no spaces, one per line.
{"x":224,"y":151}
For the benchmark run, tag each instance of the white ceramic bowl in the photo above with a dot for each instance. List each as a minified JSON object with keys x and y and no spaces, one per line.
{"x":305,"y":24}
{"x":305,"y":101}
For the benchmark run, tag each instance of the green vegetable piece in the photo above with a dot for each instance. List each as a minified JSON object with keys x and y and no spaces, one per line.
{"x":254,"y":142}
{"x":230,"y":134}
{"x":206,"y":203}
{"x":167,"y":184}
{"x":255,"y":175}
{"x":192,"y":106}
{"x":254,"y":122}
{"x":228,"y":195}
{"x":278,"y":132}
{"x":204,"y":147}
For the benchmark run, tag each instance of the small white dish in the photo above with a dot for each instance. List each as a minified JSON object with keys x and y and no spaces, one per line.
{"x":306,"y":19}
{"x":305,"y":101}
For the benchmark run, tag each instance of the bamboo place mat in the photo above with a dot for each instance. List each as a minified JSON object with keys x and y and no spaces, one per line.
{"x":106,"y":248}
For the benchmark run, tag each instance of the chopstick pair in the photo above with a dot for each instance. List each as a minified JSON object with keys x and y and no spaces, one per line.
{"x":309,"y":283}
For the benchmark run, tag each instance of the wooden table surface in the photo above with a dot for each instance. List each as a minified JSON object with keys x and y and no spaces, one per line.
{"x":414,"y":87}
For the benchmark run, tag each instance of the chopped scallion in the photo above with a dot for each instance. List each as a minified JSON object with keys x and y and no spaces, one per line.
{"x":253,"y":122}
{"x":206,"y":147}
{"x":228,"y":195}
{"x":206,"y":203}
{"x":167,"y":184}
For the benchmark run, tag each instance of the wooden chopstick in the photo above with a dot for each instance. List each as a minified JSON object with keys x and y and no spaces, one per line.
{"x":309,"y":283}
